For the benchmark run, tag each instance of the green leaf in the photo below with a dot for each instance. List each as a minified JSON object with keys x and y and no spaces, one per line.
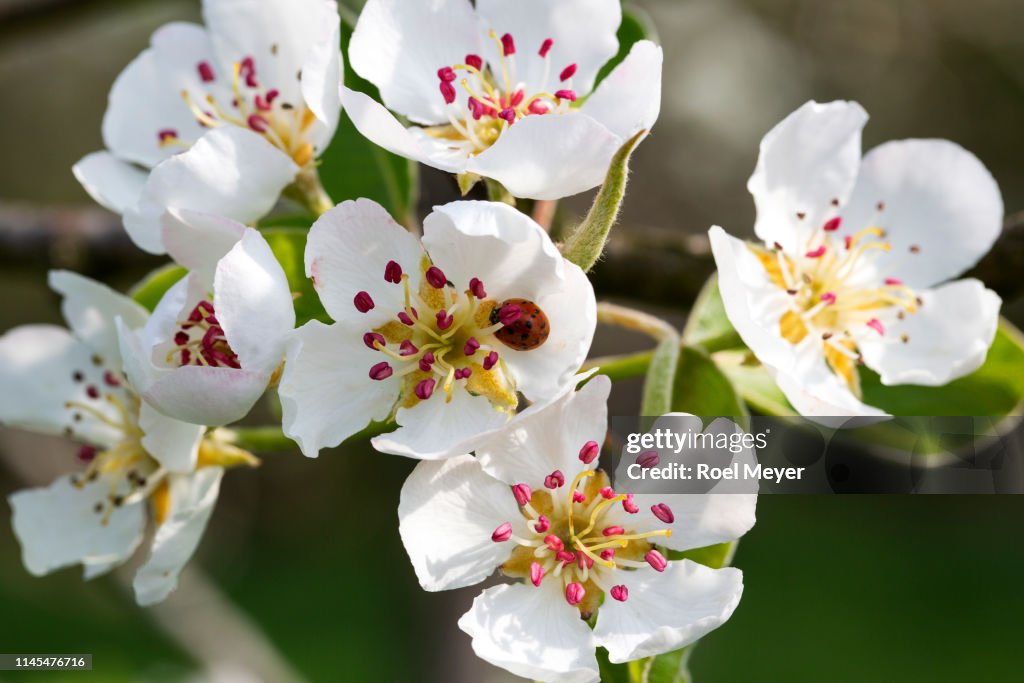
{"x":636,"y":25}
{"x":708,"y":326}
{"x":289,"y":247}
{"x":753,"y":383}
{"x":701,"y":388}
{"x":660,"y":379}
{"x":714,"y":556}
{"x":152,"y":288}
{"x":585,"y":245}
{"x":996,"y":388}
{"x":354,"y":167}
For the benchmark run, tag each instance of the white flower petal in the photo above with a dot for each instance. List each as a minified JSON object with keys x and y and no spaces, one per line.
{"x":808,"y":160}
{"x":399,"y":46}
{"x":436,"y":429}
{"x":532,"y":632}
{"x":667,"y":610}
{"x":326,"y":393}
{"x":543,"y":439}
{"x":321,"y":78}
{"x":816,"y":392}
{"x":278,"y":35}
{"x":230,"y":171}
{"x":752,"y":302}
{"x":174,"y":444}
{"x":346,"y":253}
{"x":948,"y":337}
{"x":583,"y":31}
{"x":447,"y":513}
{"x":939,"y":197}
{"x":549,"y":157}
{"x":146,"y":97}
{"x":515,"y":258}
{"x":90,"y":309}
{"x":700,"y":519}
{"x":629,"y":99}
{"x":192,"y":500}
{"x":198,"y":240}
{"x":37,"y":367}
{"x":114,"y":184}
{"x":58,"y":526}
{"x":380,"y":127}
{"x":254,"y":303}
{"x":205,"y":395}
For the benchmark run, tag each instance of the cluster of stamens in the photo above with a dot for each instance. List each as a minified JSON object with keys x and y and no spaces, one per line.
{"x":495,"y":98}
{"x":200,"y":340}
{"x":252,"y":106}
{"x":830,"y":299}
{"x":441,"y":337}
{"x":130,"y":474}
{"x":571,"y":541}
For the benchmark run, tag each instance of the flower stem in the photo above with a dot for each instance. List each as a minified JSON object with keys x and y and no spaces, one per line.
{"x":586,"y":244}
{"x":310,"y":191}
{"x":497,"y":192}
{"x":272,"y":439}
{"x":544,"y":212}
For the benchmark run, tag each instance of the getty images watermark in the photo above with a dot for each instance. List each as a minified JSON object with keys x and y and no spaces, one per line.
{"x":689,"y":454}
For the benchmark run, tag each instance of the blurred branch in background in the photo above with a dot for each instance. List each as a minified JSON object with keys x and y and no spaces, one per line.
{"x":659,"y":265}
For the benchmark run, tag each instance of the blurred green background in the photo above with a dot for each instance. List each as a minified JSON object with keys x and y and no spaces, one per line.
{"x":302,"y":574}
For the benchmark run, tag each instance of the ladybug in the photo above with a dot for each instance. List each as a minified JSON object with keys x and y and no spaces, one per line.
{"x":527,"y":331}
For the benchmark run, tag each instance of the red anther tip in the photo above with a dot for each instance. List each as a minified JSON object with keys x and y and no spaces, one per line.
{"x":893,"y":281}
{"x":435,"y":277}
{"x":613,"y":531}
{"x":471,"y":347}
{"x":522,"y":494}
{"x":425,"y":389}
{"x":607,"y":493}
{"x":629,"y":506}
{"x":589,"y":452}
{"x":491,"y":360}
{"x":828,"y":298}
{"x":444,"y":319}
{"x":167,"y":134}
{"x":475,"y":61}
{"x":876,"y":325}
{"x":620,"y":593}
{"x":656,"y":560}
{"x":538,"y":107}
{"x":567,"y":73}
{"x":545,"y":47}
{"x":371,"y":339}
{"x":542,"y":524}
{"x":363,"y":302}
{"x":393,"y":272}
{"x":509,"y":313}
{"x":446,"y":73}
{"x":554,"y":480}
{"x":476,"y":287}
{"x":448,"y":92}
{"x":566,"y":95}
{"x":832,"y":224}
{"x":258,"y":123}
{"x":87,"y":454}
{"x":407,"y":348}
{"x":574,"y":593}
{"x":554,"y":542}
{"x":565,"y":556}
{"x":508,"y":46}
{"x":205,"y":72}
{"x":381,"y":371}
{"x":502,"y":533}
{"x":607,"y":554}
{"x":508,"y":114}
{"x":648,"y":459}
{"x":663,"y":512}
{"x":536,"y":573}
{"x":427,"y":361}
{"x":816,"y":253}
{"x":578,"y":497}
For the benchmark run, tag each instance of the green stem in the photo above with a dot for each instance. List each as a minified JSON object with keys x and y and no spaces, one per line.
{"x":308,"y":189}
{"x":586,"y":244}
{"x":497,"y":192}
{"x":271,"y":439}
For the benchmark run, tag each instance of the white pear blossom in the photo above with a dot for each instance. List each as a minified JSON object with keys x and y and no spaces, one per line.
{"x":857,"y":261}
{"x":503,"y":90}
{"x":217,"y":337}
{"x":534,"y":504}
{"x":226,"y":115}
{"x":441,"y":336}
{"x":136,"y":464}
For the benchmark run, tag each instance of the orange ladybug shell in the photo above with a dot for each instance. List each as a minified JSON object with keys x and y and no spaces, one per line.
{"x":528,"y":332}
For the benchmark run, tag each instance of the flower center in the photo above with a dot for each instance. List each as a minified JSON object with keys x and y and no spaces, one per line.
{"x":494,"y":98}
{"x":443,"y":337}
{"x":251,"y":106}
{"x":575,"y":541}
{"x":836,"y":297}
{"x":127,"y":470}
{"x":200,"y":340}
